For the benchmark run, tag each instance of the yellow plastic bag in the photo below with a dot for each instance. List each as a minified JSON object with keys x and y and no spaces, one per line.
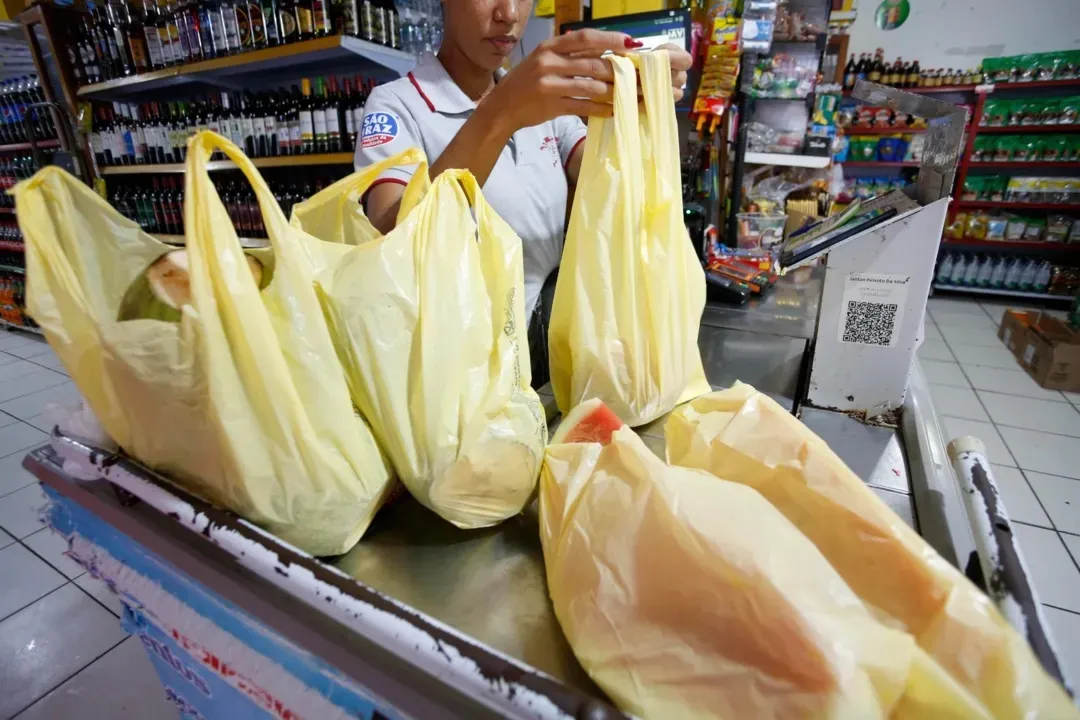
{"x":685,"y":596}
{"x":334,"y":214}
{"x":743,"y":436}
{"x":430,"y":326}
{"x":630,"y":293}
{"x":243,"y":400}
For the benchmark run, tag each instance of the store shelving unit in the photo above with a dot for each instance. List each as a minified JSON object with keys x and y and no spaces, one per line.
{"x":1019,"y":294}
{"x":20,"y":147}
{"x":345,"y":158}
{"x":1026,"y":165}
{"x":880,"y":163}
{"x":1015,"y":206}
{"x":933,"y":90}
{"x":1029,"y":129}
{"x":883,"y":131}
{"x":786,"y":160}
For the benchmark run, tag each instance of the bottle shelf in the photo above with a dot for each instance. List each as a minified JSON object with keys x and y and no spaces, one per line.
{"x":1027,"y":129}
{"x":12,"y":269}
{"x":932,"y":90}
{"x":1026,"y":165}
{"x":12,"y":246}
{"x":16,"y":147}
{"x":7,"y":211}
{"x":342,"y":158}
{"x":1029,"y":246}
{"x":1018,"y":206}
{"x":180,"y":241}
{"x":315,"y":54}
{"x":1002,"y":293}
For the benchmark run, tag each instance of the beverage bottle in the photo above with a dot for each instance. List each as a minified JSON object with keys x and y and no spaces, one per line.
{"x":1012,"y":275}
{"x":913,"y":74}
{"x":176,"y":24}
{"x":97,"y":43}
{"x":247,"y":125}
{"x":193,"y":24}
{"x":307,"y":120}
{"x":271,"y":20}
{"x":168,"y":53}
{"x":269,"y":120}
{"x":296,"y":141}
{"x":288,"y":22}
{"x":318,"y":117}
{"x":232,"y":26}
{"x":1042,"y":277}
{"x":986,"y":271}
{"x":151,"y":39}
{"x":393,"y":25}
{"x":1027,"y":277}
{"x":236,"y":122}
{"x":347,"y":101}
{"x":320,"y":18}
{"x":897,"y":74}
{"x":333,"y":118}
{"x":944,"y":271}
{"x":243,"y":25}
{"x":281,"y":122}
{"x":874,"y":72}
{"x":71,"y":48}
{"x":849,"y":69}
{"x":256,"y":24}
{"x":997,"y":279}
{"x":305,"y":23}
{"x":959,"y":270}
{"x":215,"y":22}
{"x":971,"y":273}
{"x":358,"y":108}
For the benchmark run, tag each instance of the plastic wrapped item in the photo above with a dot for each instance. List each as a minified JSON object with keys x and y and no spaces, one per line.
{"x":743,"y":436}
{"x":686,"y":596}
{"x":248,"y":378}
{"x":630,"y":293}
{"x":429,"y":322}
{"x":758,"y":231}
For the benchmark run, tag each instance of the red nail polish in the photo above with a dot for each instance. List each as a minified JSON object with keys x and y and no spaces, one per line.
{"x":632,"y":44}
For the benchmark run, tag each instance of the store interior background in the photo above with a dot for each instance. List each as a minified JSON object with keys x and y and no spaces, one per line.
{"x":1032,"y":434}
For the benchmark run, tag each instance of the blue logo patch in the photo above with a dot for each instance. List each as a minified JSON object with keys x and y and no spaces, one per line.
{"x":379,"y":129}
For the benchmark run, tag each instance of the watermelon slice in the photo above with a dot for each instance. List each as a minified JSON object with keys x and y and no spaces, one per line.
{"x":591,"y":421}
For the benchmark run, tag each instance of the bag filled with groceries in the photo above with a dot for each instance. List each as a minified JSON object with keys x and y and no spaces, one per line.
{"x":429,"y":323}
{"x":687,"y":596}
{"x":743,"y":436}
{"x":630,"y":292}
{"x":229,"y":382}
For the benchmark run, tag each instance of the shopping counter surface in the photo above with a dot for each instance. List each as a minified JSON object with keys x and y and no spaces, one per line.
{"x":420,"y":619}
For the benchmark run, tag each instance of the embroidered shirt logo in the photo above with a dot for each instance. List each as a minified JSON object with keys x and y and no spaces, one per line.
{"x":379,"y":129}
{"x":551,"y":146}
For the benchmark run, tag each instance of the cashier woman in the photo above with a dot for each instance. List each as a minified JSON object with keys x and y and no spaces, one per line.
{"x":518,"y":132}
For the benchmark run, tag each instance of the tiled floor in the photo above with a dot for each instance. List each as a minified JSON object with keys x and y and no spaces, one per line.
{"x":62,"y":651}
{"x":1032,"y":438}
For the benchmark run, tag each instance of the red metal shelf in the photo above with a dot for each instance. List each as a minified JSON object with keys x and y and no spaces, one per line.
{"x":1028,"y":129}
{"x":7,"y":211}
{"x":1023,"y":164}
{"x":26,"y":146}
{"x":881,"y":131}
{"x":1013,"y":245}
{"x":1036,"y":85}
{"x":1019,"y":206}
{"x":878,"y":164}
{"x":12,"y":246}
{"x":932,"y":90}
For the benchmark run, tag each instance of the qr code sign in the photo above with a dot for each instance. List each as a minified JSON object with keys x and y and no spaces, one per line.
{"x":869,"y":323}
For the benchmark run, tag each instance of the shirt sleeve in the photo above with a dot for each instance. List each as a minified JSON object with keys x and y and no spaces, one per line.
{"x":569,"y":131}
{"x":387,"y":129}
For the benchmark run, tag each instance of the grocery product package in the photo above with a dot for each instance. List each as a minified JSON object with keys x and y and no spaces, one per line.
{"x":430,"y":326}
{"x":242,"y":400}
{"x":743,"y":436}
{"x":685,"y":596}
{"x":630,"y":293}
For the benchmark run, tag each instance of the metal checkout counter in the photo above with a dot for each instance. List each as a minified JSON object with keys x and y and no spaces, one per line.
{"x":423,"y":620}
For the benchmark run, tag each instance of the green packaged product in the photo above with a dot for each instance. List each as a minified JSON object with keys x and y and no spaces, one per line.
{"x":1068,"y":111}
{"x":1004,"y":148}
{"x":1026,"y":148}
{"x":973,"y":185}
{"x":1054,"y":148}
{"x":983,"y":149}
{"x":1015,"y":111}
{"x":995,"y":113}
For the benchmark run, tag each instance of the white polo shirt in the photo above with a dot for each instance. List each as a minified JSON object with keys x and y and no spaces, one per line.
{"x":527,"y":187}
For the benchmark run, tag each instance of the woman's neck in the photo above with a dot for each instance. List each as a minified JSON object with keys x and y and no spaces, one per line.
{"x":473,"y":80}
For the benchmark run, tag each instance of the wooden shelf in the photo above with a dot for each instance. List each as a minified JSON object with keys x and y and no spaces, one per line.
{"x":880,"y":164}
{"x":882,"y":131}
{"x":1003,"y":293}
{"x":1035,"y":246}
{"x":344,"y":158}
{"x":1018,"y":206}
{"x":1027,"y":129}
{"x":315,"y":54}
{"x":16,"y":147}
{"x":1025,"y":164}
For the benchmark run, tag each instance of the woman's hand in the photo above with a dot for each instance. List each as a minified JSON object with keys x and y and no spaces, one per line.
{"x":681,"y":61}
{"x":562,"y":76}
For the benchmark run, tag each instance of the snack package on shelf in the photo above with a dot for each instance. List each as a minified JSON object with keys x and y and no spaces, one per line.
{"x":687,"y":596}
{"x":1055,"y":65}
{"x":241,"y":399}
{"x":719,"y":72}
{"x":630,"y":294}
{"x":742,"y":436}
{"x":429,"y":323}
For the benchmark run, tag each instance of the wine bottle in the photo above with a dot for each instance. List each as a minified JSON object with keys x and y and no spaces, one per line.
{"x":304,"y":21}
{"x":333,"y":118}
{"x":295,"y":134}
{"x":318,"y":115}
{"x":232,"y":28}
{"x":269,"y":122}
{"x":391,"y":26}
{"x":272,"y":22}
{"x":320,"y":18}
{"x":257,"y":24}
{"x":307,"y":120}
{"x":288,"y":22}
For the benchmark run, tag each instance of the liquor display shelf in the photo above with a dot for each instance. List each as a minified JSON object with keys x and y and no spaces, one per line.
{"x":341,"y":158}
{"x":227,"y":71}
{"x":7,"y":211}
{"x":16,"y":147}
{"x":12,"y":269}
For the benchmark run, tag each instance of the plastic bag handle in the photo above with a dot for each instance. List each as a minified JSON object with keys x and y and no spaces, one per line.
{"x":359,"y":182}
{"x":467,"y":181}
{"x":661,"y":169}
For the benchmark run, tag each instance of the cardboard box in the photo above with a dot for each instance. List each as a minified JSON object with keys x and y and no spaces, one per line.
{"x":1013,"y":329}
{"x":1047,"y":348}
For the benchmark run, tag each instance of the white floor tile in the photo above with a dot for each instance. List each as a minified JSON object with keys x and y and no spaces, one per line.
{"x":51,"y":546}
{"x":17,"y":369}
{"x":122,"y":684}
{"x":953,"y":306}
{"x":10,"y":339}
{"x":1057,"y":581}
{"x":1072,"y":397}
{"x":26,"y":577}
{"x":1061,"y":498}
{"x":20,"y":436}
{"x":994,"y":311}
{"x":996,"y":452}
{"x":1020,"y":502}
{"x":50,"y":361}
{"x":45,"y":644}
{"x":1046,"y":415}
{"x":943,"y":373}
{"x":935,"y":350}
{"x":30,"y":350}
{"x":5,"y":358}
{"x":32,"y":405}
{"x":1012,"y":382}
{"x":20,"y":511}
{"x":945,"y":322}
{"x":1065,"y":630}
{"x":961,"y":335}
{"x":100,"y":591}
{"x":957,"y":402}
{"x":1043,"y":452}
{"x":42,"y":422}
{"x":6,"y":419}
{"x":5,"y":539}
{"x":986,"y":356}
{"x":40,"y":379}
{"x":13,"y":476}
{"x":930,"y":331}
